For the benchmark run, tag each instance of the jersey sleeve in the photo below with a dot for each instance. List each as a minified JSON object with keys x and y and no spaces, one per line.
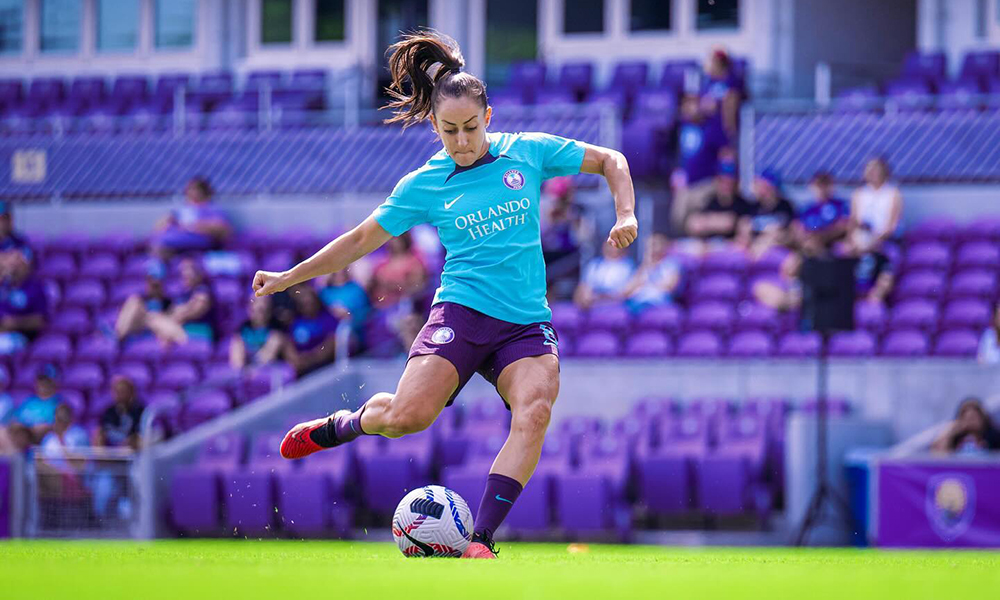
{"x":556,"y":156}
{"x":402,"y":210}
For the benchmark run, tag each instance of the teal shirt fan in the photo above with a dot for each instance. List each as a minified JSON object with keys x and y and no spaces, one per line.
{"x":488,"y":218}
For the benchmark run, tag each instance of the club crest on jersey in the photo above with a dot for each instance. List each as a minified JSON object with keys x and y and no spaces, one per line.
{"x":443,"y":335}
{"x":513,"y":179}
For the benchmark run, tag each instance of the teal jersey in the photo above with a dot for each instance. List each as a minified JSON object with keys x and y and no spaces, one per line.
{"x":488,"y":218}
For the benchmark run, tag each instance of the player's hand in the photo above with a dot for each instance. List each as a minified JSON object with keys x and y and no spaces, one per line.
{"x":624,"y":232}
{"x":266,"y":283}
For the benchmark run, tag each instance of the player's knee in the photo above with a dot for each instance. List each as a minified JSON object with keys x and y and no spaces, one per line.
{"x":405,"y":422}
{"x":533,"y":418}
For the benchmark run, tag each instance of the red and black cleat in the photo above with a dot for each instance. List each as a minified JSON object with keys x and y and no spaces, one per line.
{"x":482,"y":546}
{"x":309,"y":437}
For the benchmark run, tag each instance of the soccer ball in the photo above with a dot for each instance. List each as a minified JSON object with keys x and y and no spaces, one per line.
{"x":432,"y":521}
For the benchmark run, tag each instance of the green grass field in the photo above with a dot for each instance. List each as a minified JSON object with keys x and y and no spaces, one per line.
{"x":320,"y":570}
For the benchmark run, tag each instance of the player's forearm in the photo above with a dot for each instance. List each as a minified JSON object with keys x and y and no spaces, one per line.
{"x":619,"y":179}
{"x":335,"y":256}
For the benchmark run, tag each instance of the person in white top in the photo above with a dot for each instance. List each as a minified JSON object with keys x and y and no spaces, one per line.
{"x":989,"y":343}
{"x":876,"y":209}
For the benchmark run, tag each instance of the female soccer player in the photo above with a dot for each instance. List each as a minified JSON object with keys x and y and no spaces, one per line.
{"x":490,"y":314}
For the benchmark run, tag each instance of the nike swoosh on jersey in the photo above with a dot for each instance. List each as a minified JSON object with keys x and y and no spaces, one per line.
{"x":503,"y":499}
{"x":448,"y":205}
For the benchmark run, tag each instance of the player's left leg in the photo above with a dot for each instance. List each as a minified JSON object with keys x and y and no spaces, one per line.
{"x":530,"y":386}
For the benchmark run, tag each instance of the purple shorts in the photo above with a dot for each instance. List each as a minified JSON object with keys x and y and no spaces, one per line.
{"x":477,"y":343}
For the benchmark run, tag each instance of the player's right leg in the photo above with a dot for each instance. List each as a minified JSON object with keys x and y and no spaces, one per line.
{"x":425,"y":388}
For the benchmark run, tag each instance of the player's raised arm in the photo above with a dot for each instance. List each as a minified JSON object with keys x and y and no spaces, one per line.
{"x":613,"y":166}
{"x":337,"y":255}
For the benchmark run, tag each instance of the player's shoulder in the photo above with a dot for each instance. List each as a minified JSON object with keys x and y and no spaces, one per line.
{"x":521,"y":145}
{"x":426,"y":173}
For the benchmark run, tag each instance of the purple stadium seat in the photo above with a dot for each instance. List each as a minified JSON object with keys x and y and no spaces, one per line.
{"x":674,"y":72}
{"x":966,"y":314}
{"x":88,"y":377}
{"x":983,"y":229}
{"x":97,"y":348}
{"x":664,"y":483}
{"x":920,"y":284}
{"x":51,"y":347}
{"x":973,"y":255}
{"x":721,"y":286}
{"x":630,"y":76}
{"x":935,"y":230}
{"x":195,"y":351}
{"x":770,"y":261}
{"x":963,"y":95}
{"x":205,"y":406}
{"x":751,"y":344}
{"x":930,"y":255}
{"x":61,"y":266}
{"x":385,"y":478}
{"x":146,"y":348}
{"x":751,"y":316}
{"x":577,"y":78}
{"x":264,"y":380}
{"x":796,"y":344}
{"x":566,"y":318}
{"x":258,"y":79}
{"x":177,"y":375}
{"x":722,"y":484}
{"x":909,"y":94}
{"x":528,"y":77}
{"x":104,"y":266}
{"x":905,"y":343}
{"x":870,"y":316}
{"x":657,"y":107}
{"x":648,"y":344}
{"x":961,"y":343}
{"x":139,"y":372}
{"x":852,"y":343}
{"x":725,"y":261}
{"x":584,"y":502}
{"x":667,"y":318}
{"x":975,"y":284}
{"x":194,"y":500}
{"x":711,"y":315}
{"x":930,"y":67}
{"x":914,"y":314}
{"x":224,"y":451}
{"x":310,"y":506}
{"x":982,"y":65}
{"x":699,"y":344}
{"x":86,"y":293}
{"x":597,"y":344}
{"x":608,"y":317}
{"x":249,"y":501}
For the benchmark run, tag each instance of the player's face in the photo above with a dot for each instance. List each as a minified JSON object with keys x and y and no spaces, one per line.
{"x":461,"y":123}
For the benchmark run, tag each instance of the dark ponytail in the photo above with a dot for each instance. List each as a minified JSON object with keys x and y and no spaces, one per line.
{"x":429,"y":64}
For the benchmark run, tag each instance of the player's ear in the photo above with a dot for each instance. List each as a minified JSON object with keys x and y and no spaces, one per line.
{"x":434,"y":125}
{"x":489,"y":115}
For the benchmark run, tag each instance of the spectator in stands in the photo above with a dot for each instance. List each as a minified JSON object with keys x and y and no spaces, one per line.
{"x":989,"y":343}
{"x":770,"y":222}
{"x":346,"y":299}
{"x":722,"y":92}
{"x":197,"y":225}
{"x":400,"y":276}
{"x":724,"y":209}
{"x":657,"y":278}
{"x":6,"y":412}
{"x":876,"y":209}
{"x":190,"y":313}
{"x":824,"y":221}
{"x":23,"y":305}
{"x":260,"y":340}
{"x":10,"y":240}
{"x":605,"y":278}
{"x":972,"y":431}
{"x":700,"y":141}
{"x":561,"y":234}
{"x":64,"y":437}
{"x":119,"y":426}
{"x":131,"y":317}
{"x":873,"y":279}
{"x":37,"y":413}
{"x":312,"y":339}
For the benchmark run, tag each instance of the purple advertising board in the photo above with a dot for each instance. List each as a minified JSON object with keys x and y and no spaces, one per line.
{"x":938,"y":504}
